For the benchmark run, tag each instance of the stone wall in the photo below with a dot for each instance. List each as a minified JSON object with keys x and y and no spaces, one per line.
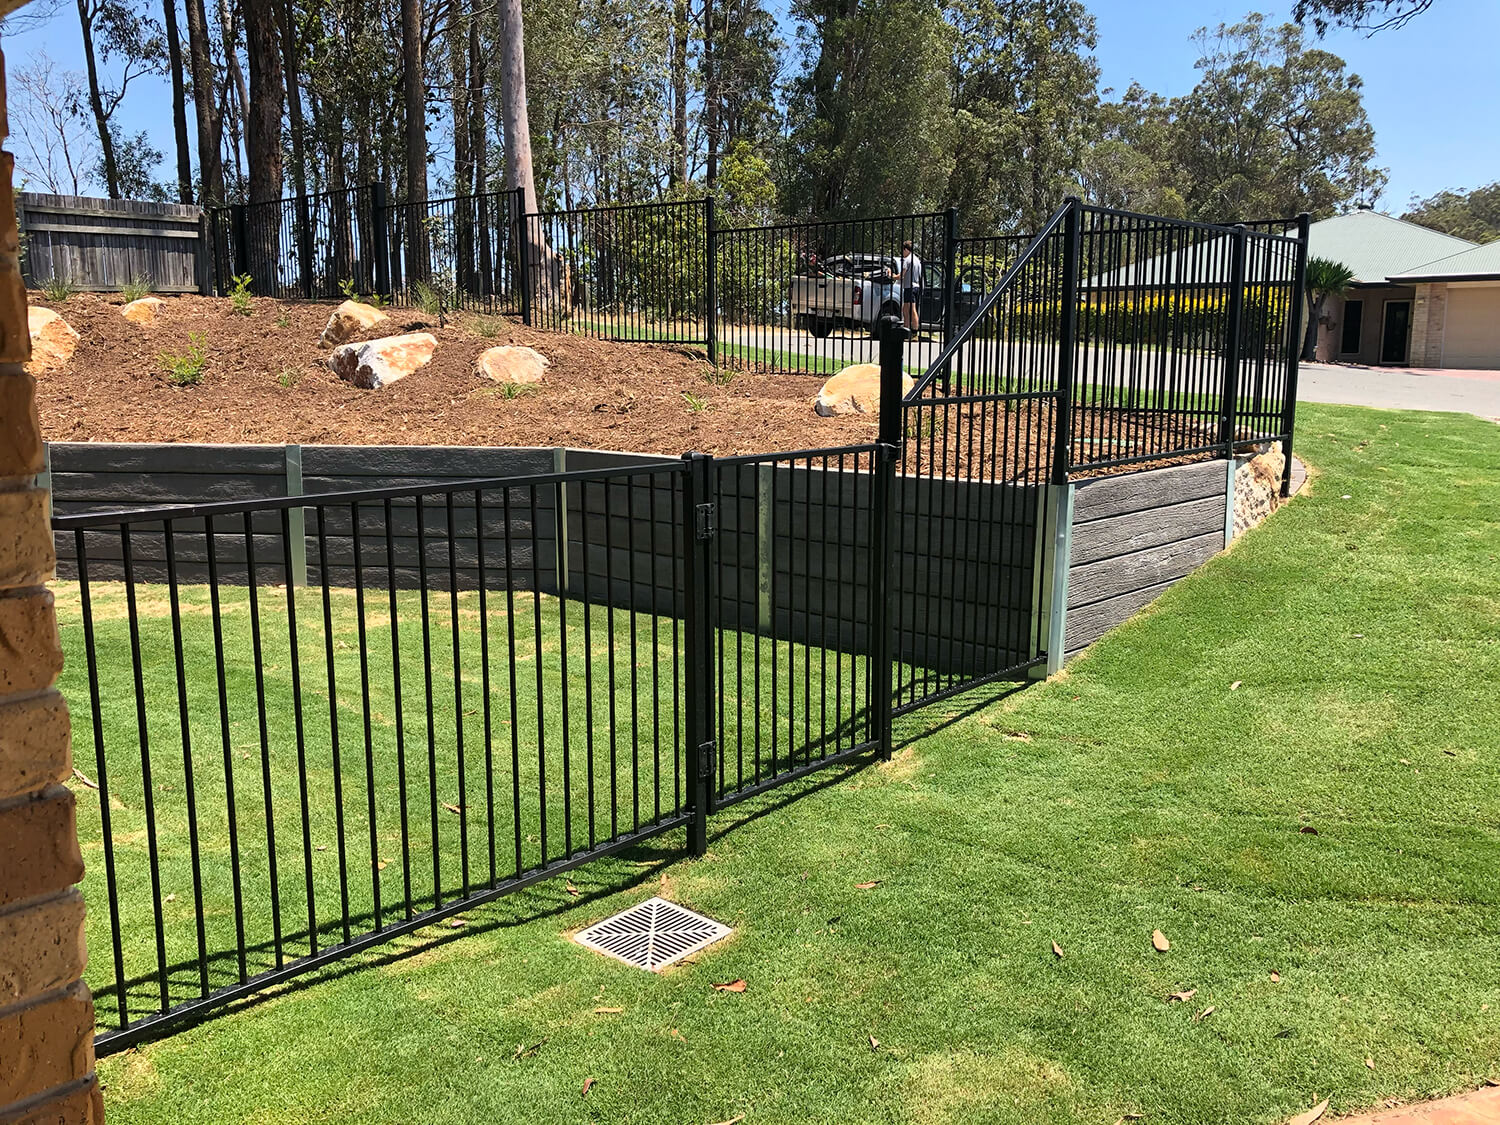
{"x":1257,"y":486}
{"x":46,"y":1013}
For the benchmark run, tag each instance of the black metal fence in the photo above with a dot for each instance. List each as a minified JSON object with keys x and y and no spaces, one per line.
{"x":325,"y":720}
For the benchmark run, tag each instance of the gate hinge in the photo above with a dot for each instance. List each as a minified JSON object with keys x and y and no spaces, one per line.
{"x":706,"y":754}
{"x":705,"y":520}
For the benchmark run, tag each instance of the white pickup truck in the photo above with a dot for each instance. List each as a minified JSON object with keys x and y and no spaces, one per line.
{"x":848,"y":291}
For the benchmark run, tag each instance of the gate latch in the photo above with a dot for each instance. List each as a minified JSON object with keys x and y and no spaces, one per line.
{"x":704,"y":521}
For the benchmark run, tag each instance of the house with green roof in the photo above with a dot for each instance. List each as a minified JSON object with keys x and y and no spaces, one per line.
{"x":1456,"y":309}
{"x":1383,"y":318}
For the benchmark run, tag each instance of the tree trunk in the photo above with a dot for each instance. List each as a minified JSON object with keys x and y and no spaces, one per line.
{"x":236,"y":96}
{"x":679,"y":173}
{"x":414,"y":89}
{"x":291,"y":56}
{"x":543,"y":267}
{"x":96,"y":103}
{"x":710,"y":96}
{"x":179,"y":103}
{"x":463,"y":155}
{"x":205,"y":105}
{"x":267,"y":102}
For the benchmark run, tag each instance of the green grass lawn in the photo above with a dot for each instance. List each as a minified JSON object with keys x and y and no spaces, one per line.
{"x":1141,"y":790}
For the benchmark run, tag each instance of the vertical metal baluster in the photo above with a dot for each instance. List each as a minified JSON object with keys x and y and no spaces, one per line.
{"x":400,"y":706}
{"x":541,"y":715}
{"x":189,"y":784}
{"x":333,"y":723}
{"x":588,"y":650}
{"x":296,"y":659}
{"x":610,"y":597}
{"x":635,"y":704}
{"x":253,"y":582}
{"x":101,"y":776}
{"x":364,"y":699}
{"x":515,"y":718}
{"x":458,"y":701}
{"x":484,"y":661}
{"x":229,"y":802}
{"x":432,"y":781}
{"x":560,"y":524}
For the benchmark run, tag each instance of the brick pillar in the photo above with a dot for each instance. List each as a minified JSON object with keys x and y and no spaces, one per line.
{"x":46,"y":1013}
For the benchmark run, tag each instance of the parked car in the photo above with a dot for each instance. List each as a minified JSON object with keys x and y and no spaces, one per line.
{"x":856,"y":290}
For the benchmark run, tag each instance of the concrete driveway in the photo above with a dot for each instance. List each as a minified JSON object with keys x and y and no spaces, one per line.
{"x":1402,"y":388}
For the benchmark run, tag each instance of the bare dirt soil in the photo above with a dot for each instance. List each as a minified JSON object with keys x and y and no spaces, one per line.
{"x":267,"y":380}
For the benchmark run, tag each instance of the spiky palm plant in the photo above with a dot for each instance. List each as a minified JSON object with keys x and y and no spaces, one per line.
{"x":1325,"y":278}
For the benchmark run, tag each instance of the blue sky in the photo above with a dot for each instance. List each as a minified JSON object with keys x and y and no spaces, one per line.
{"x":1432,"y":89}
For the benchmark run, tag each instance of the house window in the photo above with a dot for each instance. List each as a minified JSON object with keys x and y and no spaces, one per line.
{"x":1354,"y":322}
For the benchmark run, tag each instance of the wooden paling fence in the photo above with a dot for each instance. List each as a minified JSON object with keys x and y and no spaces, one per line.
{"x":104,"y":244}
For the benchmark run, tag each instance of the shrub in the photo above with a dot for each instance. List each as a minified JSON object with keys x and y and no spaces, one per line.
{"x":487,"y":326}
{"x":239,"y":294}
{"x":58,"y":289}
{"x":187,"y":370}
{"x":430,"y":299}
{"x":135,"y":289}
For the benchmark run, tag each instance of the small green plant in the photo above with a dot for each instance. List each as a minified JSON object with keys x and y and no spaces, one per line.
{"x":187,"y":370}
{"x":430,"y":300}
{"x":289,"y":377}
{"x":516,"y":390}
{"x":136,"y":288}
{"x":282,"y":319}
{"x":487,"y":326}
{"x":350,"y":289}
{"x":239,"y":294}
{"x":58,"y":289}
{"x":720,"y":376}
{"x":695,"y":404}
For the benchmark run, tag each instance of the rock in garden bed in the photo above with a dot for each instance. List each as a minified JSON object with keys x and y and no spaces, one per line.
{"x":507,"y":364}
{"x":379,"y":363}
{"x":53,"y":339}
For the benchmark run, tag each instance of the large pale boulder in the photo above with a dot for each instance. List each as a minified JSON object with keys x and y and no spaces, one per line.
{"x":855,"y":390}
{"x":349,"y":320}
{"x":53,"y":339}
{"x":379,"y":363}
{"x":507,"y":364}
{"x":143,"y":311}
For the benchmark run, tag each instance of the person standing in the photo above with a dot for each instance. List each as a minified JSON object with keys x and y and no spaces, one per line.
{"x":911,"y":288}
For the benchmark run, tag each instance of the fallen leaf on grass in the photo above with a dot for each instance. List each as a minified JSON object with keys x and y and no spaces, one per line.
{"x":731,"y":986}
{"x":1056,"y":950}
{"x":1184,"y":996}
{"x":1203,"y":1015}
{"x":382,"y":865}
{"x":457,"y":924}
{"x":321,"y":848}
{"x":451,"y":808}
{"x":731,"y":1121}
{"x":608,"y":1011}
{"x":1124,"y":1117}
{"x":1308,"y":830}
{"x":83,"y":780}
{"x":588,"y":1084}
{"x":1370,"y":1063}
{"x":571,"y":889}
{"x":1159,"y":941}
{"x":867,"y":886}
{"x":1311,"y":1115}
{"x":525,"y":1052}
{"x":1275,"y":977}
{"x":1236,"y":685}
{"x":874,"y":1043}
{"x":677,"y":1035}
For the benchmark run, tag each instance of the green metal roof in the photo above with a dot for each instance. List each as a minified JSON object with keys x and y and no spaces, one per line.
{"x":1479,"y":264}
{"x":1377,"y":247}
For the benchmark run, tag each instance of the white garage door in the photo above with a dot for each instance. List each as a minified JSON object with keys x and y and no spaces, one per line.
{"x":1472,"y":334}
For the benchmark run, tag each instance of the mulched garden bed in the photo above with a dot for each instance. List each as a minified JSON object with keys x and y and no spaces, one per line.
{"x":268,"y":381}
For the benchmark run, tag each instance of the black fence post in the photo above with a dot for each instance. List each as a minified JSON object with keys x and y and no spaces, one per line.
{"x":893,"y":335}
{"x":241,"y":239}
{"x":950,"y":288}
{"x":1062,"y":447}
{"x":1234,"y":329}
{"x":711,"y":279}
{"x":305,"y":245}
{"x":698,"y":526}
{"x":380,"y":228}
{"x":1294,"y":351}
{"x":523,"y":255}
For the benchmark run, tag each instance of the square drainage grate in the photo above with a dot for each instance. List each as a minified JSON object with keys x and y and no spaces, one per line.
{"x":653,"y":934}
